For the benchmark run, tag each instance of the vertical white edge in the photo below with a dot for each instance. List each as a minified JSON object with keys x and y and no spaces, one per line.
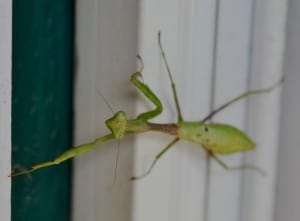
{"x":5,"y":107}
{"x":267,"y":68}
{"x":106,"y":49}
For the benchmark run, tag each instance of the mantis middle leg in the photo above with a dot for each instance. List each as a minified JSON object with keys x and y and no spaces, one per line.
{"x":159,"y":155}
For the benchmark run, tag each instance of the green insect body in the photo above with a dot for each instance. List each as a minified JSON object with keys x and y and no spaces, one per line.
{"x":215,"y":138}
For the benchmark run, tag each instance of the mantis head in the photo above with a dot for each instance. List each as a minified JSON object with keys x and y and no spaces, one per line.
{"x":117,"y":124}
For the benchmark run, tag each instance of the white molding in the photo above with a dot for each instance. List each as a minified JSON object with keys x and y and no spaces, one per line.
{"x":5,"y":107}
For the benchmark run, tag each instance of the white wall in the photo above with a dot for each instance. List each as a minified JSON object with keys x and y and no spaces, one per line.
{"x":5,"y":107}
{"x":216,"y":50}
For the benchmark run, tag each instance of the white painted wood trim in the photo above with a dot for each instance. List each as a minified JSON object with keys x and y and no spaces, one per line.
{"x":5,"y":107}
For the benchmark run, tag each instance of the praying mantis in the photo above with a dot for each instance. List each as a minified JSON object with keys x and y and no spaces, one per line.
{"x":215,"y":138}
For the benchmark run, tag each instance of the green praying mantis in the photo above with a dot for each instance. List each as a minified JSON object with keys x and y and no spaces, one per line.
{"x":215,"y":138}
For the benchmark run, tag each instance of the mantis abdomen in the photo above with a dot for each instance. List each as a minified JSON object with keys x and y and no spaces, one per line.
{"x":217,"y":138}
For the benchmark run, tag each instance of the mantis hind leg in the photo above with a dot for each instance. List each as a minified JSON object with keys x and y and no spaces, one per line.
{"x":180,"y":118}
{"x":242,"y":96}
{"x":240,"y":167}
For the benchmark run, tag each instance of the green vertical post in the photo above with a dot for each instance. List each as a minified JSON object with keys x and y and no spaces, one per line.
{"x":41,"y":107}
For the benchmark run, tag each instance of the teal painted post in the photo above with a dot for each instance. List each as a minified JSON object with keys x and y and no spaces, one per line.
{"x":41,"y":108}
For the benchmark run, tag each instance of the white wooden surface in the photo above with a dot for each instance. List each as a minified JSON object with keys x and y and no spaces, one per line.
{"x":214,"y":48}
{"x":5,"y":107}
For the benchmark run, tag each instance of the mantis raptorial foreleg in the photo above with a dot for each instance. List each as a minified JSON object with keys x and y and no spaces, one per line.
{"x":150,"y":95}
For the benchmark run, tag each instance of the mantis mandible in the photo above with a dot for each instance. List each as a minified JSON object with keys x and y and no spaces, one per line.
{"x":215,"y":138}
